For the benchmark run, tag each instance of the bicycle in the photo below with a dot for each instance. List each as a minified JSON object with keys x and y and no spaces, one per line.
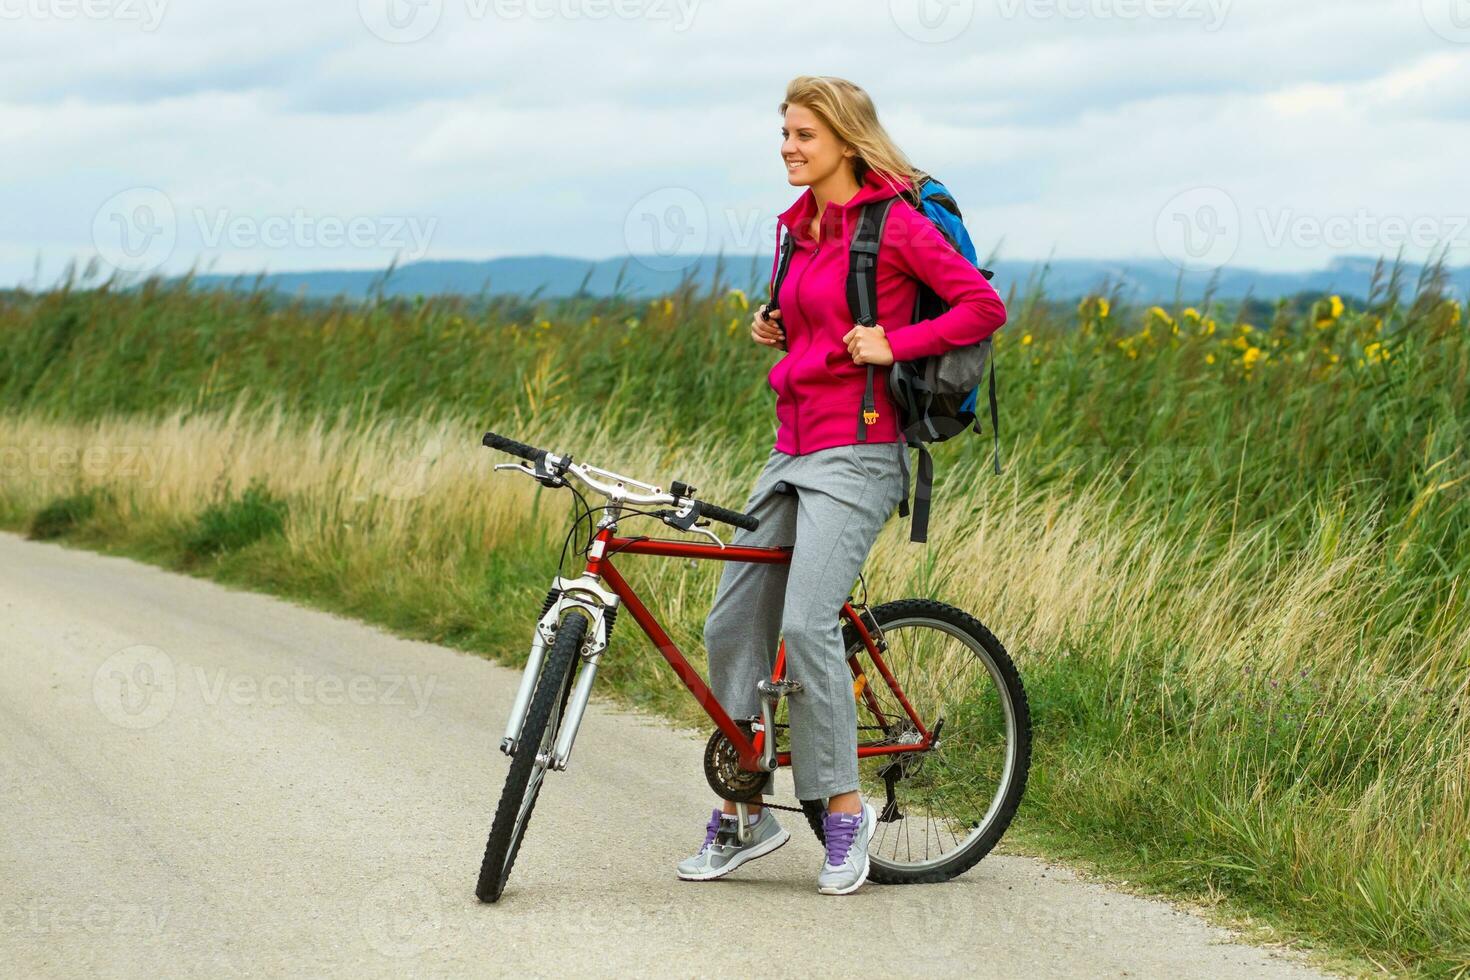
{"x":948,"y":732}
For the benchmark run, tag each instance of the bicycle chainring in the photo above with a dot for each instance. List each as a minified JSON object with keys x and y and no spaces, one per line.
{"x":722,"y":769}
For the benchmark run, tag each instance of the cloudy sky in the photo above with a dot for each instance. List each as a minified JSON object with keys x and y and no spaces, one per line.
{"x":278,"y":134}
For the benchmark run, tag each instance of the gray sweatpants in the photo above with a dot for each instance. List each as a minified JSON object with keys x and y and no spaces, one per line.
{"x":843,"y":497}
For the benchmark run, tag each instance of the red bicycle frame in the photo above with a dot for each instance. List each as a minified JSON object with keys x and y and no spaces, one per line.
{"x":606,"y":544}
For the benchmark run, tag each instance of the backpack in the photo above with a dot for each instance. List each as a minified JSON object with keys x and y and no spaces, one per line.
{"x":935,"y":396}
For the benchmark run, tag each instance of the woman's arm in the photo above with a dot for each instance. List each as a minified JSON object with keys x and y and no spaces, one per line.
{"x":976,"y":310}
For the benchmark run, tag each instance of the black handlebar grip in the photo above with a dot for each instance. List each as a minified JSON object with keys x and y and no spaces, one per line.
{"x":496,"y":441}
{"x":732,"y":517}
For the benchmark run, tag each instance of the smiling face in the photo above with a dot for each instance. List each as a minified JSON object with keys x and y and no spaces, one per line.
{"x":811,"y":151}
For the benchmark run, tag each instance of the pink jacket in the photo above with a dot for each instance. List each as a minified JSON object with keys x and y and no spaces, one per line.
{"x":819,"y":390}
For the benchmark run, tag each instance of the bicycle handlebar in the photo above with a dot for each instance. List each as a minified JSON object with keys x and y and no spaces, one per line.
{"x":550,"y":466}
{"x":496,"y":441}
{"x":732,"y":517}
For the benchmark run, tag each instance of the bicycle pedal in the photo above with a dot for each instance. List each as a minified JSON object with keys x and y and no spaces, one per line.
{"x":778,"y":689}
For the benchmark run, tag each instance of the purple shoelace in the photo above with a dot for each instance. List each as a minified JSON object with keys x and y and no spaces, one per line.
{"x":840,"y":830}
{"x":711,"y":829}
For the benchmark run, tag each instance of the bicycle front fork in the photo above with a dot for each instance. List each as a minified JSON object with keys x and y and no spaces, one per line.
{"x":601,"y":606}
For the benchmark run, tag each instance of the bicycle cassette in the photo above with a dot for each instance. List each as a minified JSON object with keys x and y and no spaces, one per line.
{"x":722,"y":769}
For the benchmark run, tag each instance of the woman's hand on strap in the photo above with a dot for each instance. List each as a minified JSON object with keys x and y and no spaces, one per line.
{"x":767,"y":330}
{"x":868,"y":345}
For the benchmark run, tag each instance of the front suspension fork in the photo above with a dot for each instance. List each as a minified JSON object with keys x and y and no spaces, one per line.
{"x":602,"y":610}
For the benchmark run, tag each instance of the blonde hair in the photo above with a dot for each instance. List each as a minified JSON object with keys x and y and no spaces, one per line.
{"x":849,"y":112}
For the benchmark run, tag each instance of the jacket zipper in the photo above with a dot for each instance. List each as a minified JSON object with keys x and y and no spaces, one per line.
{"x":791,"y":392}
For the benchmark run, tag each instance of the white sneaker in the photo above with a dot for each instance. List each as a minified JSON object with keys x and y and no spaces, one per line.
{"x":847,"y":836}
{"x":722,"y":851}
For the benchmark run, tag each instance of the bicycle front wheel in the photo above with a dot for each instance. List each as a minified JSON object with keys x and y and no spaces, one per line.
{"x":532,"y":757}
{"x":942,"y":809}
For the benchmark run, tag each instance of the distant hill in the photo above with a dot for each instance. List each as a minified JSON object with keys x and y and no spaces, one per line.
{"x":1142,"y":280}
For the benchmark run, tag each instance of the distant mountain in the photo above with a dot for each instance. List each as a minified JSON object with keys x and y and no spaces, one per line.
{"x":1141,"y":280}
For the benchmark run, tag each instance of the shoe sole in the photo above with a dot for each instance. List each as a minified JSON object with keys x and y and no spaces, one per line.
{"x":867,"y":865}
{"x":850,"y":888}
{"x":774,"y":844}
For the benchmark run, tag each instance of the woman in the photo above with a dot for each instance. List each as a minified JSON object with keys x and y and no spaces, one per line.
{"x":833,"y":145}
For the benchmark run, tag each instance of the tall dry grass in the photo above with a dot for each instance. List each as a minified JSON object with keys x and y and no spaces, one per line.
{"x":1234,"y":581}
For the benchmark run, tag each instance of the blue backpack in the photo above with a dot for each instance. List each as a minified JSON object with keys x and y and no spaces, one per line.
{"x":935,"y":396}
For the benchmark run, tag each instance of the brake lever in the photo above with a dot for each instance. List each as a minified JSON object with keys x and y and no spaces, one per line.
{"x":686,"y":522}
{"x":698,"y":529}
{"x":541,"y":474}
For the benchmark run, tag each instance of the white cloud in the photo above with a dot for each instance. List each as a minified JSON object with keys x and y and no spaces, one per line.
{"x":518,"y":133}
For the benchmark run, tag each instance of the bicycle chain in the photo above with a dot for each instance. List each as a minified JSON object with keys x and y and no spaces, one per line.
{"x":798,"y":809}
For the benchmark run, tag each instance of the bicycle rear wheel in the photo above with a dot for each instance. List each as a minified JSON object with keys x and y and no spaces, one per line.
{"x":533,"y":756}
{"x":943,"y":809}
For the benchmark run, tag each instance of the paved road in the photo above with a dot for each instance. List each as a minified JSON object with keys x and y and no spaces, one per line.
{"x":206,"y":782}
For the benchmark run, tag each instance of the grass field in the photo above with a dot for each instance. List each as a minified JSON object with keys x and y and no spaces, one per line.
{"x":1228,"y":552}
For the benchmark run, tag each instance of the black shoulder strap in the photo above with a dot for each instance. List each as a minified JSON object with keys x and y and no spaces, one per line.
{"x":862,"y":289}
{"x":862,"y":283}
{"x":781,"y":266}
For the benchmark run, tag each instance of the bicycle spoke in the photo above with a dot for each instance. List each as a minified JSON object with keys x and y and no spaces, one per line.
{"x":954,"y":789}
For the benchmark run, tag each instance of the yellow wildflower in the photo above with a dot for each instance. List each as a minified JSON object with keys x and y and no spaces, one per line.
{"x":544,"y":325}
{"x":1209,"y":358}
{"x":1330,"y":310}
{"x":1158,"y":313}
{"x":738,"y":296}
{"x":1250,"y":357}
{"x":1094,"y":305}
{"x":1026,"y":340}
